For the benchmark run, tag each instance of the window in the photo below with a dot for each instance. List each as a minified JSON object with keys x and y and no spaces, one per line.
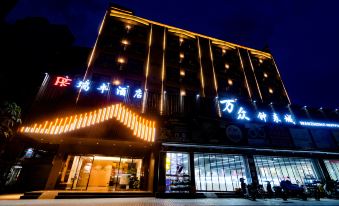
{"x":219,"y":172}
{"x":332,"y":167}
{"x":177,"y":172}
{"x":275,"y":169}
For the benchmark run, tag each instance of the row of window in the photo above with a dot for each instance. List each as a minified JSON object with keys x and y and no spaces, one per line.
{"x":222,"y":172}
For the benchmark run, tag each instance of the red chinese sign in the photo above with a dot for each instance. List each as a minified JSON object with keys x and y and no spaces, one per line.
{"x":62,"y":81}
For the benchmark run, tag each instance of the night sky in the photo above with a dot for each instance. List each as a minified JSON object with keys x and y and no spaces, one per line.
{"x":303,"y":36}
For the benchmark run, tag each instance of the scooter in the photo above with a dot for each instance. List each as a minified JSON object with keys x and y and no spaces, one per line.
{"x":289,"y":189}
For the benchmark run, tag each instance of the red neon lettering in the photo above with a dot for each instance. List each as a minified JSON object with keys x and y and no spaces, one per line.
{"x":62,"y":81}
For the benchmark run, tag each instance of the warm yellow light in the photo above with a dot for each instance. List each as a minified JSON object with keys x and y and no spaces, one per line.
{"x":125,"y":42}
{"x":128,"y":27}
{"x":230,"y":82}
{"x":182,"y":55}
{"x":270,"y":90}
{"x":140,"y":127}
{"x":227,"y":66}
{"x":265,"y":75}
{"x":182,"y":72}
{"x":261,"y":61}
{"x":103,"y":115}
{"x":121,"y":60}
{"x":116,"y":82}
{"x":181,"y":40}
{"x":223,"y":51}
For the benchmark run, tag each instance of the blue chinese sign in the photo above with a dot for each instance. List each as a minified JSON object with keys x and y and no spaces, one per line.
{"x":232,"y":109}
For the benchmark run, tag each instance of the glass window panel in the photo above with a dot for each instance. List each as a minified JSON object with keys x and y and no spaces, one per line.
{"x":218,"y":172}
{"x":275,"y":169}
{"x":332,"y":168}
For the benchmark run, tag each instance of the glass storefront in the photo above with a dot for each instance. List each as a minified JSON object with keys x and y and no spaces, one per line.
{"x":101,"y":173}
{"x":177,"y":172}
{"x":332,"y":167}
{"x":219,"y":172}
{"x":273,"y":169}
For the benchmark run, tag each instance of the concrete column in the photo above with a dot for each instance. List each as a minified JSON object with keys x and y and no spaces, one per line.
{"x":53,"y":175}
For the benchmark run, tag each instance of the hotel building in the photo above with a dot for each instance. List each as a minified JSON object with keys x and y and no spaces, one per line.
{"x":169,"y":111}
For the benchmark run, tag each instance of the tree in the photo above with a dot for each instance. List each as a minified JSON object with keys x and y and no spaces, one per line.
{"x":10,"y":119}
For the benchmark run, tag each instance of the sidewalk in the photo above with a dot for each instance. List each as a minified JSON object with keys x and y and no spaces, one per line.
{"x":150,"y":201}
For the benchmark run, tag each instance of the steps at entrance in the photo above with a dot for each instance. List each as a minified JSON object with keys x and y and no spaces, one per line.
{"x":76,"y":195}
{"x":31,"y":195}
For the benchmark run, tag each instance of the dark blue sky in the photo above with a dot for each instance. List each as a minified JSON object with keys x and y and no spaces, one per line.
{"x":303,"y":35}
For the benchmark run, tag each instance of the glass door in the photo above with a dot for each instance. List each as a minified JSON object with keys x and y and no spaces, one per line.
{"x":82,"y":172}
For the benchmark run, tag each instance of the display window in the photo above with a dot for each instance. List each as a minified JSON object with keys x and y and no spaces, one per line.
{"x":219,"y":172}
{"x":274,"y":169}
{"x":178,"y":178}
{"x":332,"y":167}
{"x":102,"y":173}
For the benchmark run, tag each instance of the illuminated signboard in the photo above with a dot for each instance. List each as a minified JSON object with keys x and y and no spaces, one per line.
{"x":62,"y":81}
{"x":230,"y":108}
{"x":102,"y":88}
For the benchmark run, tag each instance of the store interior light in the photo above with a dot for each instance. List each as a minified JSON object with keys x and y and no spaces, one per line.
{"x":182,"y":55}
{"x":270,"y":90}
{"x":265,"y":75}
{"x":227,"y":66}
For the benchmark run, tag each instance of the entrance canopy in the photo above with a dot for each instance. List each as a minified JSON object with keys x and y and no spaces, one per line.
{"x":140,"y":127}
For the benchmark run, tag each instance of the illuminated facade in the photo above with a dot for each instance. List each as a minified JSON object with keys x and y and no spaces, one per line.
{"x":166,"y":110}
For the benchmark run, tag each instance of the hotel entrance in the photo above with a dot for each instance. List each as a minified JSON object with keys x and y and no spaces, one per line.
{"x":102,"y":173}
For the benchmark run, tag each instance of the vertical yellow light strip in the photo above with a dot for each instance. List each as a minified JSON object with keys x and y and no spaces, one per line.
{"x":153,"y":133}
{"x":92,"y":54}
{"x":116,"y":109}
{"x":123,"y":114}
{"x":89,"y":121}
{"x":201,"y":69}
{"x":33,"y":128}
{"x":142,"y":133}
{"x":68,"y":124}
{"x":136,"y":125}
{"x":62,"y":129}
{"x":94,"y":117}
{"x":54,"y":126}
{"x":119,"y":113}
{"x":111,"y":112}
{"x":163,"y":73}
{"x":59,"y":125}
{"x":129,"y":119}
{"x":146,"y":130}
{"x":276,"y":67}
{"x":85,"y":120}
{"x":103,"y":115}
{"x":147,"y":70}
{"x":243,"y":70}
{"x":79,"y":122}
{"x":126,"y":116}
{"x":44,"y":128}
{"x":75,"y":122}
{"x":99,"y":116}
{"x":215,"y":81}
{"x":47,"y":131}
{"x":139,"y":127}
{"x":255,"y":77}
{"x":133,"y":122}
{"x":214,"y":77}
{"x":150,"y":130}
{"x":37,"y":130}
